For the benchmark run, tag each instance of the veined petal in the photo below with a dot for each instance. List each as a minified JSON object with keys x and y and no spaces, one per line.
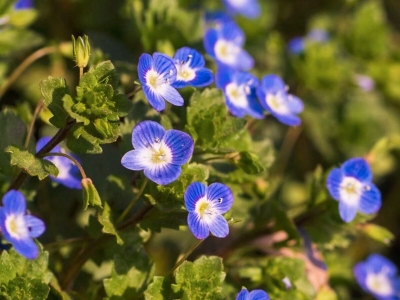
{"x":154,"y":98}
{"x":147,"y":133}
{"x":347,"y":212}
{"x":370,"y":201}
{"x":357,"y":167}
{"x":164,"y":65}
{"x":145,"y":64}
{"x":333,"y":182}
{"x":186,"y":54}
{"x":171,"y":95}
{"x":133,"y":160}
{"x":272,"y":83}
{"x":242,"y":294}
{"x":258,"y":295}
{"x":35,"y":225}
{"x":193,"y":193}
{"x":209,"y":40}
{"x":26,"y":247}
{"x":181,"y":145}
{"x":163,"y":174}
{"x":221,"y":196}
{"x":232,"y":32}
{"x":14,"y":203}
{"x":197,"y":226}
{"x":218,"y":226}
{"x":203,"y":78}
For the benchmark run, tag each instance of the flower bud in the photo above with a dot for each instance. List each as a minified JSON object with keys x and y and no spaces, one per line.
{"x":81,"y":50}
{"x":90,"y":194}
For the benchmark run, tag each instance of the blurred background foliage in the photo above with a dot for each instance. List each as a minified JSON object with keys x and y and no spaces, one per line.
{"x":342,"y":119}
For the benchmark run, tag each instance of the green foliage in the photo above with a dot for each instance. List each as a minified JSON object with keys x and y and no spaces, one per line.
{"x":159,"y":289}
{"x":378,"y":233}
{"x":90,"y":194}
{"x":105,"y":219}
{"x":250,"y":163}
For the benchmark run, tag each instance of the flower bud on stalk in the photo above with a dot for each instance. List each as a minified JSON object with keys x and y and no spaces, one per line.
{"x":81,"y":52}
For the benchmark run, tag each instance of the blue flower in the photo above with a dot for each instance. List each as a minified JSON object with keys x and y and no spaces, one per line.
{"x":352,"y":186}
{"x":68,"y":173}
{"x":273,"y":96}
{"x":378,"y":276}
{"x":216,"y":18}
{"x":17,"y":227}
{"x":253,"y":295}
{"x":239,"y":89}
{"x":247,"y":8}
{"x":296,"y":45}
{"x":190,"y":69}
{"x":224,"y":44}
{"x":23,"y":4}
{"x":158,"y":152}
{"x":156,"y":74}
{"x":206,"y":206}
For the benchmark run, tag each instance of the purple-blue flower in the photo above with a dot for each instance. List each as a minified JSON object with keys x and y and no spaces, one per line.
{"x":157,"y":74}
{"x":17,"y":227}
{"x":352,"y":186}
{"x":23,"y":4}
{"x":239,"y":90}
{"x":158,"y":152}
{"x":244,"y":294}
{"x":68,"y":173}
{"x":296,"y":45}
{"x":274,"y":98}
{"x":190,"y":69}
{"x":378,"y":276}
{"x":247,"y":8}
{"x":224,"y":44}
{"x":216,"y":18}
{"x":206,"y":206}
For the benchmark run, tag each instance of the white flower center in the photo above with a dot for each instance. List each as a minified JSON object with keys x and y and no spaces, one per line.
{"x":277,"y":103}
{"x":203,"y":207}
{"x":350,"y":190}
{"x":237,"y":94}
{"x":16,"y":227}
{"x":226,"y":51}
{"x":379,"y":283}
{"x":157,"y":154}
{"x":155,"y":80}
{"x":185,"y":73}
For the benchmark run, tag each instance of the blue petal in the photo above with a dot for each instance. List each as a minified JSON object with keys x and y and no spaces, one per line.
{"x":35,"y":225}
{"x":360,"y":273}
{"x":295,"y":104}
{"x":197,"y":226}
{"x":203,"y":78}
{"x":216,"y":17}
{"x":223,"y":76}
{"x":370,"y":200}
{"x":164,"y":65}
{"x":296,"y":45}
{"x":242,"y":294}
{"x":358,"y":168}
{"x":132,"y":160}
{"x":376,"y":262}
{"x":155,"y":99}
{"x":43,"y":141}
{"x":238,"y":112}
{"x":163,"y":174}
{"x":255,"y":110}
{"x":181,"y":145}
{"x":221,"y":195}
{"x":193,"y":193}
{"x":3,"y":228}
{"x":333,"y":182}
{"x":209,"y":40}
{"x":14,"y":203}
{"x":347,"y":212}
{"x":171,"y":95}
{"x":147,"y":133}
{"x":218,"y":226}
{"x":230,"y":31}
{"x":145,"y":64}
{"x":258,"y":295}
{"x":72,"y":181}
{"x":244,"y":61}
{"x":185,"y":54}
{"x":23,"y":4}
{"x":26,"y":247}
{"x":290,"y":120}
{"x":250,"y":9}
{"x":272,"y":84}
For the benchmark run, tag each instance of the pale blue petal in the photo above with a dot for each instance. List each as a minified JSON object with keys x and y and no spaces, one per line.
{"x":203,"y":78}
{"x":258,"y":295}
{"x":132,"y":160}
{"x":181,"y":145}
{"x":333,"y":182}
{"x":35,"y":225}
{"x":147,"y":133}
{"x":185,"y":54}
{"x":376,"y":262}
{"x":370,"y":200}
{"x":223,"y":76}
{"x":242,"y":294}
{"x":295,"y":104}
{"x":360,"y":273}
{"x":272,"y":84}
{"x":26,"y":247}
{"x":230,"y":31}
{"x":236,"y":111}
{"x":165,"y":66}
{"x":290,"y":120}
{"x":14,"y":203}
{"x":3,"y":227}
{"x":155,"y":99}
{"x":171,"y":95}
{"x":72,"y":181}
{"x":244,"y":61}
{"x":193,"y":193}
{"x":163,"y":174}
{"x":250,"y":8}
{"x":43,"y":141}
{"x":221,"y":195}
{"x":296,"y":45}
{"x":197,"y":226}
{"x":218,"y":226}
{"x":145,"y":64}
{"x":347,"y":212}
{"x":358,"y":168}
{"x":209,"y":40}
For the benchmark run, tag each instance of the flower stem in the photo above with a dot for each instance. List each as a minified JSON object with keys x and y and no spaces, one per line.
{"x":133,"y":202}
{"x":134,"y":92}
{"x":38,"y":108}
{"x":26,"y":63}
{"x":80,"y":73}
{"x":71,"y":158}
{"x":181,"y":261}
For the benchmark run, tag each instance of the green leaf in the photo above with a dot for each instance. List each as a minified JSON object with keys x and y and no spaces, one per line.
{"x":23,"y":18}
{"x":108,"y":226}
{"x":159,"y":289}
{"x":30,"y":164}
{"x":378,"y":233}
{"x":90,"y":194}
{"x":201,"y":279}
{"x":14,"y":40}
{"x":250,"y":163}
{"x":53,"y":91}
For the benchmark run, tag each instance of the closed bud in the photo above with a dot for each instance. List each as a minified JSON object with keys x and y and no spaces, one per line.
{"x":81,"y":50}
{"x":90,"y":194}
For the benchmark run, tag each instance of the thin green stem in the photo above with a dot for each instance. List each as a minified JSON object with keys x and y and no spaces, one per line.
{"x":133,"y":202}
{"x":25,"y":64}
{"x":181,"y":261}
{"x":38,"y":108}
{"x":80,"y":73}
{"x":133,"y":92}
{"x":71,"y":158}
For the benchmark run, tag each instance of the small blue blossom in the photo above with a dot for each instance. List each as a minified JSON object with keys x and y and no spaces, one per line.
{"x":23,"y":4}
{"x":68,"y":173}
{"x":244,"y":294}
{"x":352,"y":186}
{"x":156,"y":75}
{"x":248,"y":8}
{"x":17,"y":227}
{"x":364,"y":82}
{"x":158,"y":152}
{"x":273,"y":96}
{"x":190,"y":69}
{"x":216,"y":18}
{"x":296,"y":45}
{"x":239,"y":90}
{"x":206,"y":206}
{"x":224,"y":44}
{"x":378,"y":276}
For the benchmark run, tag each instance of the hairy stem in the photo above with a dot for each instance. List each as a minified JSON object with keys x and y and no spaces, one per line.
{"x":38,"y":108}
{"x":182,"y":260}
{"x":71,"y":158}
